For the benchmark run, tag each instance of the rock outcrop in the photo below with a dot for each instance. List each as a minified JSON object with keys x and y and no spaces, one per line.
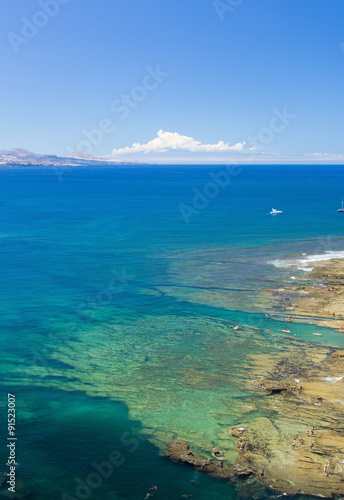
{"x":180,"y":451}
{"x":301,"y":389}
{"x":280,"y":386}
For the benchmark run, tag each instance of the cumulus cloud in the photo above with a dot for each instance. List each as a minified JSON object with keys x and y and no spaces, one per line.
{"x":167,"y":141}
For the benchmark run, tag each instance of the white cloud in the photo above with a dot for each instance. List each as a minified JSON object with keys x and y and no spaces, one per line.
{"x":167,"y":141}
{"x":326,"y":156}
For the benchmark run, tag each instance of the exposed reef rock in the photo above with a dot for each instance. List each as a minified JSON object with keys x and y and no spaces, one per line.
{"x":279,"y":466}
{"x":299,"y":389}
{"x":320,"y":300}
{"x":280,"y":386}
{"x":237,"y":431}
{"x":242,"y":471}
{"x":291,"y":455}
{"x":180,"y":451}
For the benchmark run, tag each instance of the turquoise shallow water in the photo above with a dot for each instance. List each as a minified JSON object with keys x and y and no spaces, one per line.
{"x":116,"y":314}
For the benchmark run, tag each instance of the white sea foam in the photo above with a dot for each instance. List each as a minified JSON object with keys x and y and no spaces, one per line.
{"x":305,"y":264}
{"x":333,"y":379}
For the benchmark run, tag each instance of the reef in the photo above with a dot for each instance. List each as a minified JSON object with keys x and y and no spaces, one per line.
{"x":317,"y":296}
{"x":311,"y":397}
{"x":199,"y":384}
{"x":180,"y":451}
{"x":299,"y":389}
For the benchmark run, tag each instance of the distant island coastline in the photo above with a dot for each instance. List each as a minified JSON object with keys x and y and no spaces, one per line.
{"x":23,"y":157}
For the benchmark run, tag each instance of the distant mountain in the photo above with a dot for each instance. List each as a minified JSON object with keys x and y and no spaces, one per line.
{"x":19,"y":156}
{"x":82,"y":155}
{"x":16,"y":151}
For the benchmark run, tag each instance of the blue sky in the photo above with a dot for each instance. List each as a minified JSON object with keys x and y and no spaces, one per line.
{"x":176,"y":77}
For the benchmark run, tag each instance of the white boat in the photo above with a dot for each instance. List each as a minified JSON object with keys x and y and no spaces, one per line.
{"x":341,"y":209}
{"x":274,"y":211}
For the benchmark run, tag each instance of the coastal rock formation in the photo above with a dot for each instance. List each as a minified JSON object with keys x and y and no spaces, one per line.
{"x":180,"y":451}
{"x":282,"y":468}
{"x":242,"y":471}
{"x":280,"y":386}
{"x":311,"y":397}
{"x":237,"y":431}
{"x":321,"y":298}
{"x":298,"y":389}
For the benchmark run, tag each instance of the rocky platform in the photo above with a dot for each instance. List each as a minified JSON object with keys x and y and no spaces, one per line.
{"x":299,"y":389}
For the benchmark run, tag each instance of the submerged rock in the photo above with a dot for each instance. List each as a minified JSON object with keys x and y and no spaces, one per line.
{"x":22,"y":492}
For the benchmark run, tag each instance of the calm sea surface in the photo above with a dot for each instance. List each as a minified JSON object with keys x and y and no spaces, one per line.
{"x":120,"y":288}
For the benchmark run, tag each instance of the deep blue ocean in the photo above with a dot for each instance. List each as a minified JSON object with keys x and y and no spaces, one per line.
{"x":120,"y":289}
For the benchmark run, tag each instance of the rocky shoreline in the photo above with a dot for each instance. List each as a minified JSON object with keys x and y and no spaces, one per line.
{"x":265,"y":445}
{"x":298,"y":389}
{"x":311,"y":396}
{"x":318,"y":296}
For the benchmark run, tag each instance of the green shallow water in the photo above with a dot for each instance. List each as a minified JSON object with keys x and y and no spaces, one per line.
{"x":180,"y":376}
{"x":114,"y":312}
